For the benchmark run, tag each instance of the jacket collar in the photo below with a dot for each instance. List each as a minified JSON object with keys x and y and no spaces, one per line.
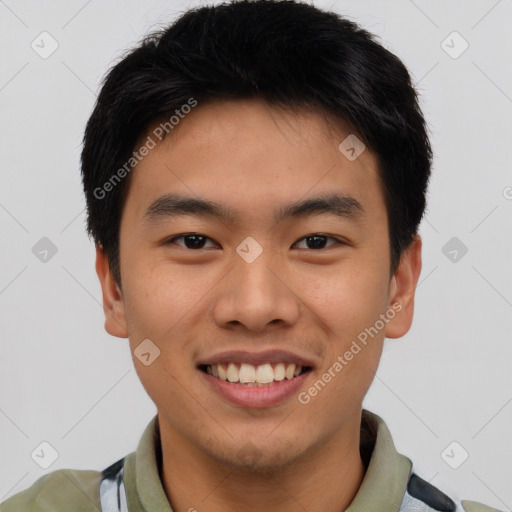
{"x":382,"y":489}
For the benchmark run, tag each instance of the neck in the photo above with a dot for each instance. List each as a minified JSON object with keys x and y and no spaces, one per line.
{"x":325,"y":479}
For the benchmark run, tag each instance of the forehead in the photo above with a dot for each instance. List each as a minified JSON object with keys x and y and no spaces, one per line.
{"x":252,"y":156}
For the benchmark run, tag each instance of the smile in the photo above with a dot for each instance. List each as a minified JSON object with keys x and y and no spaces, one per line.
{"x":249,"y":386}
{"x":254,"y":375}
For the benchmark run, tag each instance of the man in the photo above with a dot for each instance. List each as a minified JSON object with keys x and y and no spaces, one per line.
{"x":255,"y":177}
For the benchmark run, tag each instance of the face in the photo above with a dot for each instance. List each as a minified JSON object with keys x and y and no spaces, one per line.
{"x":264,"y":285}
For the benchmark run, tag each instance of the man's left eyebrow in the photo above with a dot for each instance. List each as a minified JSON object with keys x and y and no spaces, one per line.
{"x":339,"y":205}
{"x":173,"y":205}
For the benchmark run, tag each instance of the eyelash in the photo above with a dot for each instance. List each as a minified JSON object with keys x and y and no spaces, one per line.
{"x":171,"y":240}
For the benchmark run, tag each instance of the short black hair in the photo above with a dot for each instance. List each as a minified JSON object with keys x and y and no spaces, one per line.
{"x":289,"y":54}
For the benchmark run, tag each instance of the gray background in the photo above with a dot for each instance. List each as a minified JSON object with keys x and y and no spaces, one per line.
{"x":66,"y":382}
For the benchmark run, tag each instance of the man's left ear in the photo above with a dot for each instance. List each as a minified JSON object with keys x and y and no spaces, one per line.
{"x":402,"y":289}
{"x":113,"y":301}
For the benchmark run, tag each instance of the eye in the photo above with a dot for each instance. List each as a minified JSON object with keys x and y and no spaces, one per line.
{"x":191,"y":240}
{"x":317,"y":241}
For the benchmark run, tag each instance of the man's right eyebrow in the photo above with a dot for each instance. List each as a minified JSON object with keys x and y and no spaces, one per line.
{"x":174,"y":205}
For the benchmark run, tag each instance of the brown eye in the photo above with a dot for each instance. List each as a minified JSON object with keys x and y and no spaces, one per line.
{"x":317,"y":241}
{"x":191,"y":240}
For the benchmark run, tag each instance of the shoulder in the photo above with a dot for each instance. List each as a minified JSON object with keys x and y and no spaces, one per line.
{"x":59,"y":491}
{"x":421,"y":496}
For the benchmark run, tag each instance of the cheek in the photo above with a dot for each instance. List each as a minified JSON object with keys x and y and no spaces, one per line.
{"x":346,"y":299}
{"x":348,"y":304}
{"x":158,"y":298}
{"x":159,"y":306}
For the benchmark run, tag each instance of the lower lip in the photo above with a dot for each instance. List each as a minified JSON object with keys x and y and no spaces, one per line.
{"x":256,"y":396}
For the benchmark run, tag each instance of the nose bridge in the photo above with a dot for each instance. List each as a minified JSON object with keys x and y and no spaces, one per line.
{"x":259,"y":276}
{"x":256,"y":293}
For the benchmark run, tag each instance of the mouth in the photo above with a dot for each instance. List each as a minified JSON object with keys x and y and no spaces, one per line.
{"x":249,"y":375}
{"x":256,"y":380}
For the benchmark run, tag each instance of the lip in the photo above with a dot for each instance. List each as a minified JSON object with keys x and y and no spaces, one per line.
{"x":254,"y":396}
{"x":257,"y":358}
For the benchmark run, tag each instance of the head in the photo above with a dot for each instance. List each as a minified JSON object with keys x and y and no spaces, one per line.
{"x":255,"y":106}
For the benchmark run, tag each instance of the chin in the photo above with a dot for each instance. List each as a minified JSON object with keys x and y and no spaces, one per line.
{"x":259,"y":455}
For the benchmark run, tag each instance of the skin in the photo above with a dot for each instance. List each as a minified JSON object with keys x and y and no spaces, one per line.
{"x":193,"y":303}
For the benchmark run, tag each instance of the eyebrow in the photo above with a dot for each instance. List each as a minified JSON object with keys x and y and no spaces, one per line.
{"x":174,"y":205}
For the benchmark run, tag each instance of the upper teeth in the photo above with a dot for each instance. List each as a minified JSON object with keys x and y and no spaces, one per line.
{"x":248,"y":373}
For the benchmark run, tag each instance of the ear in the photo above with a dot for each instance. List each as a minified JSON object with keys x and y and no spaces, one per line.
{"x":113,"y":301}
{"x":402,"y":289}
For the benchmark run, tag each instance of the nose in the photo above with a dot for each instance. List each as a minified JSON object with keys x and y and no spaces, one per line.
{"x":256,"y":295}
